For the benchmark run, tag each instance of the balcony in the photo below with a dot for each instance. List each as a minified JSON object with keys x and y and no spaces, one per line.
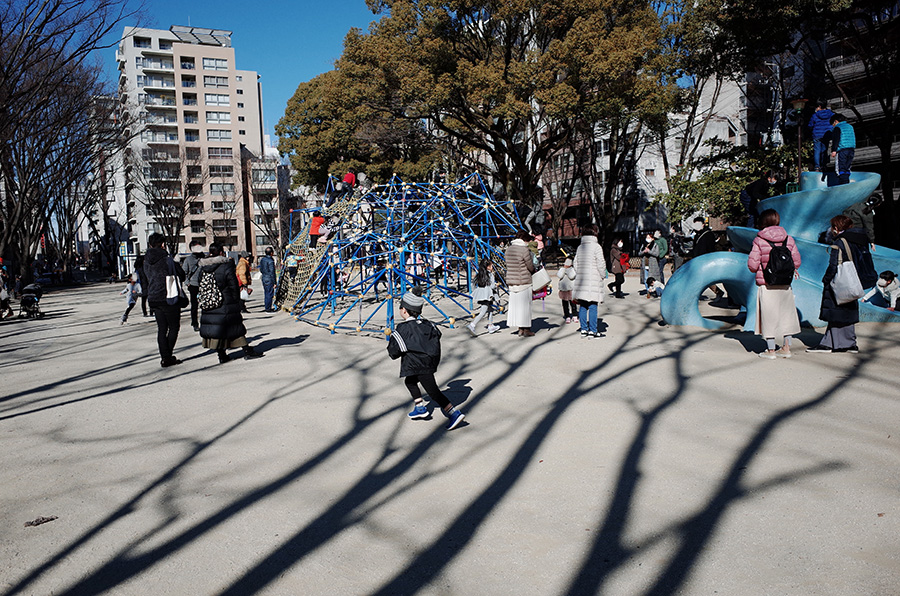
{"x":163,"y":175}
{"x":189,"y":102}
{"x":156,"y":52}
{"x":151,"y":83}
{"x":160,"y":138}
{"x":157,"y":65}
{"x":847,"y":68}
{"x":160,"y":120}
{"x":871,"y":154}
{"x":159,"y":102}
{"x":160,"y":156}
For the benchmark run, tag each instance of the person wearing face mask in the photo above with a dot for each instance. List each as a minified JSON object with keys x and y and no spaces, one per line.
{"x":649,"y":261}
{"x":755,"y":192}
{"x":616,"y":268}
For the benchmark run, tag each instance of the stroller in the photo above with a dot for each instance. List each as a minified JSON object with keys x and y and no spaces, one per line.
{"x":30,"y":302}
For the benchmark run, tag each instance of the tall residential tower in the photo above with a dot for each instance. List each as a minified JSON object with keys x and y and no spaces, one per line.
{"x":191,"y":111}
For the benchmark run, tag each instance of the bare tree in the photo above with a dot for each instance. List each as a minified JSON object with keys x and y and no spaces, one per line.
{"x":166,"y":183}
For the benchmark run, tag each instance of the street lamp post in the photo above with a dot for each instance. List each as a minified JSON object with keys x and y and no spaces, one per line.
{"x":798,"y":106}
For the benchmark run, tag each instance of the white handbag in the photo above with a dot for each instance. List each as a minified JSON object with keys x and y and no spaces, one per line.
{"x":846,"y":285}
{"x":539,"y":279}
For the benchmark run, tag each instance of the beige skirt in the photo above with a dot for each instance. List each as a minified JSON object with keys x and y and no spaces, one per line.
{"x":519,"y":306}
{"x":776,"y":314}
{"x":224,"y":344}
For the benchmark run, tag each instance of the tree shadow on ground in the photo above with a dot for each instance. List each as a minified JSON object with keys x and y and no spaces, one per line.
{"x":609,"y":553}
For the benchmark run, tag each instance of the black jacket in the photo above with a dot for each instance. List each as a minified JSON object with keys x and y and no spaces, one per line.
{"x":156,"y":267}
{"x":226,"y":321}
{"x":417,"y":342}
{"x":704,"y":243}
{"x":830,"y":310}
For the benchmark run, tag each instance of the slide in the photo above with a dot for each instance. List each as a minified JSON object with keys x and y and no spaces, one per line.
{"x":804,"y":214}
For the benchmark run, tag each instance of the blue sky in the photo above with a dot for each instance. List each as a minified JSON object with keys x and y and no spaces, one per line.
{"x":285,"y":42}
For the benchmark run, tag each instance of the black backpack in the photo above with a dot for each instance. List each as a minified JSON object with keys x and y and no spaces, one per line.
{"x":779,"y":271}
{"x":210,"y":296}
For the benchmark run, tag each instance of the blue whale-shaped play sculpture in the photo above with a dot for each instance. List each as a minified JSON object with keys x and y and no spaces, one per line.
{"x":804,"y":214}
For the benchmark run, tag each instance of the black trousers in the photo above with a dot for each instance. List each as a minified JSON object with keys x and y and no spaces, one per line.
{"x":617,"y":285}
{"x":168,"y":321}
{"x":570,"y":308}
{"x":194,"y":291}
{"x":430,"y":386}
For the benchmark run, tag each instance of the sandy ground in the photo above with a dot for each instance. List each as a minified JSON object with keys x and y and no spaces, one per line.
{"x":654,"y":460}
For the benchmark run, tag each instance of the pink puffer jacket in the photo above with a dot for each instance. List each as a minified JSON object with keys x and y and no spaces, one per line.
{"x":759,"y":254}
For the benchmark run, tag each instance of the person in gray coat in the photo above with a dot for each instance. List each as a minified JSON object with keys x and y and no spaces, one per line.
{"x":191,"y":265}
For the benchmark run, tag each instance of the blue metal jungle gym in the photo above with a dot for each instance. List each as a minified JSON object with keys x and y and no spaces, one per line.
{"x":376,"y":246}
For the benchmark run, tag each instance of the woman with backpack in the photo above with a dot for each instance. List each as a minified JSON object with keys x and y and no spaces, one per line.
{"x":774,"y":259}
{"x":221,"y":323}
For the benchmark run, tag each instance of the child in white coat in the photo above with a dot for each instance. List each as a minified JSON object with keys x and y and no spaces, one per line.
{"x":566,"y":275}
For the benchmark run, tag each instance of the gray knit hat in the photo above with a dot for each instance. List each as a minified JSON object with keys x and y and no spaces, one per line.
{"x":412,"y":301}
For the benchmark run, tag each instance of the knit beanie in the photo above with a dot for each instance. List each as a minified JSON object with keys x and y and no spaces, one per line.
{"x":412,"y":301}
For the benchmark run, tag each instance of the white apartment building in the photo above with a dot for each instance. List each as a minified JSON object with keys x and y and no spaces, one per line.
{"x":191,"y":111}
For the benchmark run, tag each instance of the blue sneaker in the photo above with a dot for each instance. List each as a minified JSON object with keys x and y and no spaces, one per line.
{"x":456,"y":418}
{"x":418,"y":413}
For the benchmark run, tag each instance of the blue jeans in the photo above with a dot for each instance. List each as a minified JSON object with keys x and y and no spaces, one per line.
{"x":587,"y":316}
{"x":843,"y":160}
{"x":820,"y":154}
{"x":268,"y":292}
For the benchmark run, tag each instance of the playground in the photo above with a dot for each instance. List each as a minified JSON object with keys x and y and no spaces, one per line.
{"x":656,"y":460}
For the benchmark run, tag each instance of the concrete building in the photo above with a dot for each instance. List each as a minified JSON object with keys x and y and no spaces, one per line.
{"x":190,"y":110}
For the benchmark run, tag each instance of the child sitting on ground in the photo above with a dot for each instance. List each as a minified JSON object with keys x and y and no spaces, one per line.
{"x":654,"y":288}
{"x":888,"y":286}
{"x":417,"y":342}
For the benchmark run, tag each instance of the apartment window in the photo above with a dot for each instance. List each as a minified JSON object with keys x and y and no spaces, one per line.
{"x":264,"y":175}
{"x":240,"y":105}
{"x":217,"y":117}
{"x":219,"y":153}
{"x":240,"y":91}
{"x":199,"y":240}
{"x":165,"y":45}
{"x":649,"y":173}
{"x":187,"y":63}
{"x":196,"y":208}
{"x":139,"y":61}
{"x":198,"y":226}
{"x":215,"y":134}
{"x":218,"y":206}
{"x":194,"y":171}
{"x":188,"y":81}
{"x":221,"y":171}
{"x":224,"y":225}
{"x":189,"y":99}
{"x":194,"y":190}
{"x":142,"y":42}
{"x":238,"y":78}
{"x":240,"y":118}
{"x":242,"y":132}
{"x":191,"y":135}
{"x":221,"y":188}
{"x":215,"y":99}
{"x":192,"y":153}
{"x":263,"y":240}
{"x":221,"y":82}
{"x":191,"y":118}
{"x":215,"y":64}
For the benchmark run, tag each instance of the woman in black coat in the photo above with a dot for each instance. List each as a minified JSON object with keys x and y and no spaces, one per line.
{"x":840,"y":335}
{"x":223,"y":327}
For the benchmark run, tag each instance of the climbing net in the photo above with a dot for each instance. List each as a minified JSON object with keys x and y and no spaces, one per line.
{"x":391,"y":238}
